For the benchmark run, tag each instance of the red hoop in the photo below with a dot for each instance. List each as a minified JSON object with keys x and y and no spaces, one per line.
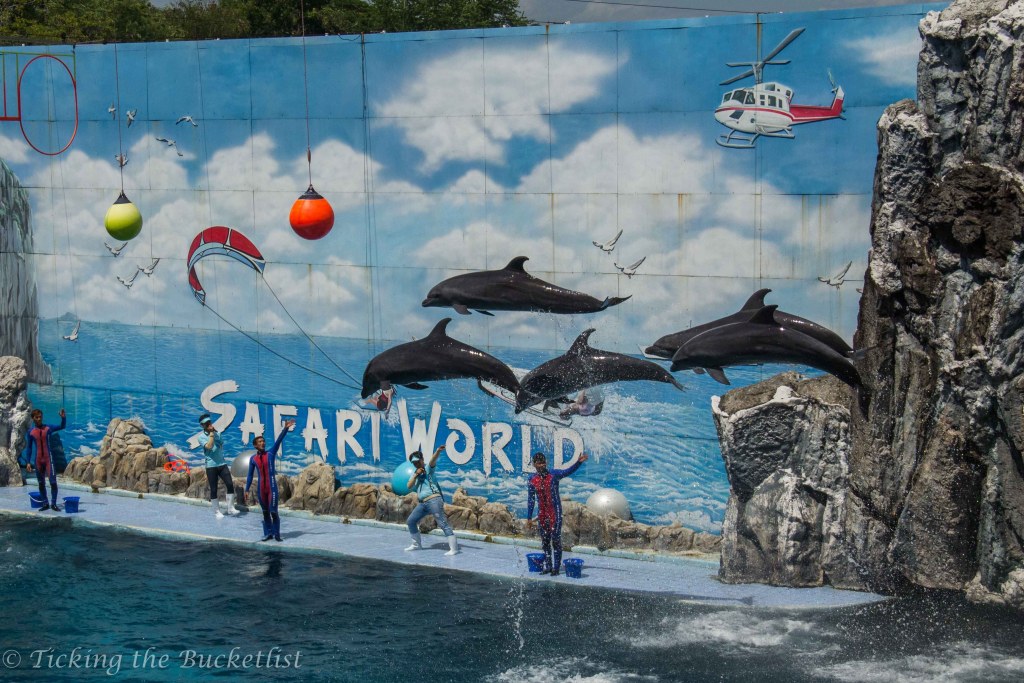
{"x":21,"y":122}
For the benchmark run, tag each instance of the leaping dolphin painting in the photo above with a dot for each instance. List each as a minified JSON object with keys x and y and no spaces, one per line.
{"x":762,"y":339}
{"x":582,"y":367}
{"x":435,"y":357}
{"x":666,"y":346}
{"x":512,"y":289}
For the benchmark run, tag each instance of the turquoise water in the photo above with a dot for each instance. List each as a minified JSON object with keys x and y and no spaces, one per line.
{"x":115,"y":593}
{"x":653,"y":443}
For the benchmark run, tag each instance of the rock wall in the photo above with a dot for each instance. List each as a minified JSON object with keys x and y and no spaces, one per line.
{"x":127,"y":460}
{"x":932,"y":490}
{"x":786,"y":445}
{"x":14,"y":418}
{"x":19,"y":324}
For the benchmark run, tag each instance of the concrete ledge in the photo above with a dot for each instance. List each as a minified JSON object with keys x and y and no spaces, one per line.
{"x":175,"y":517}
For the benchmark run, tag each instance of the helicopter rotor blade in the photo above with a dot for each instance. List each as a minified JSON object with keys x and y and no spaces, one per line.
{"x":793,"y":35}
{"x":748,"y":72}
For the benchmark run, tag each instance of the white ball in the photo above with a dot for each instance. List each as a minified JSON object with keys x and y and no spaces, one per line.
{"x":240,"y":465}
{"x":609,"y":502}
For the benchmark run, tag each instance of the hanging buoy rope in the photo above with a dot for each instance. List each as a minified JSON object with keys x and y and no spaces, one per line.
{"x":311,"y":216}
{"x":123,"y":219}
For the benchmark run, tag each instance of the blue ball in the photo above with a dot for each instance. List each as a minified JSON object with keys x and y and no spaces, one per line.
{"x":401,"y":476}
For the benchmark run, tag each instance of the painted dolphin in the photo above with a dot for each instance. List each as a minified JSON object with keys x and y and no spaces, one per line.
{"x":435,"y":357}
{"x":511,"y":289}
{"x":582,"y":367}
{"x":761,"y":339}
{"x":666,"y":346}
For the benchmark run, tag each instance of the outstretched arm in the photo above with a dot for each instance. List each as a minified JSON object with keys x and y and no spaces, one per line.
{"x":435,"y":456}
{"x":272,"y":453}
{"x":63,"y":422}
{"x":568,"y":471}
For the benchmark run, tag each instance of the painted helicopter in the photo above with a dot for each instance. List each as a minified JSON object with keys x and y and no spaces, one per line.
{"x":767,"y":108}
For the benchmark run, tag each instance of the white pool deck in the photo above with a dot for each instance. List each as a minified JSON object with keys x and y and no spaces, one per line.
{"x":690,"y":579}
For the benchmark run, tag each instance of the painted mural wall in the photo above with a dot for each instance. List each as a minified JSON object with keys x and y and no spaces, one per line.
{"x":443,"y":154}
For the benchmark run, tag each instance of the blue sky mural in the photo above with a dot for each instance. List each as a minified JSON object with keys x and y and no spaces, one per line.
{"x":447,"y":153}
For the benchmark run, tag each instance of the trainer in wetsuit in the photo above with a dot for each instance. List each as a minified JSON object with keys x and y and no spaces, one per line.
{"x":543,"y":490}
{"x":39,"y":443}
{"x":265,"y":462}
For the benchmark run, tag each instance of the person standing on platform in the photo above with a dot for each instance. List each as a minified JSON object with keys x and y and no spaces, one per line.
{"x":431,"y":502}
{"x":265,"y":463}
{"x":543,"y":492}
{"x":37,"y":451}
{"x":216,"y":469}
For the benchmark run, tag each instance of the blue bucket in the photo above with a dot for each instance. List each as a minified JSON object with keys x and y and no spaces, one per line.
{"x":535,"y":561}
{"x":71,"y":504}
{"x":574,"y":568}
{"x":36,"y":499}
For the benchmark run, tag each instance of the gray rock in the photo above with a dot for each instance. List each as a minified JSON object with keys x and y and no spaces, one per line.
{"x":14,"y":418}
{"x":19,"y":312}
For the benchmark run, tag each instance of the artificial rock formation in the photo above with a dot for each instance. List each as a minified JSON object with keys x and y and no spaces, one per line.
{"x":19,"y":314}
{"x":14,"y":418}
{"x":934,"y":481}
{"x":786,"y":446}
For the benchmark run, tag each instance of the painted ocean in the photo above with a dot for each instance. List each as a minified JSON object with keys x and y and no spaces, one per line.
{"x":655,"y":444}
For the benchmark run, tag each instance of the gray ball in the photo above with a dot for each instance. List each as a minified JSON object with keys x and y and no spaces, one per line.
{"x":240,"y":465}
{"x":609,"y":502}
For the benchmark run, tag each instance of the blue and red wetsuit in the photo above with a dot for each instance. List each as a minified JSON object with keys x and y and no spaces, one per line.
{"x":264,"y":462}
{"x":543,"y":490}
{"x":39,"y":443}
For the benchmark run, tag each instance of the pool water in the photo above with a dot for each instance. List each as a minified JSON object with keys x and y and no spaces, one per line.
{"x":109,"y":593}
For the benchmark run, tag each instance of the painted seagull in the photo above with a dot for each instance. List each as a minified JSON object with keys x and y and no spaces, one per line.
{"x":130,"y":281}
{"x":187,"y":118}
{"x":608,"y":246}
{"x":630,"y":271}
{"x":74,"y":333}
{"x":122,"y":159}
{"x":838,"y":279}
{"x":131,"y":116}
{"x":112,"y":110}
{"x":171,"y":143}
{"x":148,"y":270}
{"x":112,"y":250}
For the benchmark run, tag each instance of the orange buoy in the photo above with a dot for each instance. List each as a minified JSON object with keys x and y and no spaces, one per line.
{"x":311,"y":216}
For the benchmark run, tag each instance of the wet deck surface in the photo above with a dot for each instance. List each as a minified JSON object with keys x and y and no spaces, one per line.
{"x":175,"y":517}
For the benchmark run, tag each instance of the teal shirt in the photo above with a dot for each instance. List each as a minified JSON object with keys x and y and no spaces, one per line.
{"x":426,"y":485}
{"x":214,"y":456}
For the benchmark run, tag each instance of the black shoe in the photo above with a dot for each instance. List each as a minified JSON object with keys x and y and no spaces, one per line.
{"x":278,"y":538}
{"x":55,"y":507}
{"x":545,"y":571}
{"x":44,"y":508}
{"x":266,"y":538}
{"x":554,"y":572}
